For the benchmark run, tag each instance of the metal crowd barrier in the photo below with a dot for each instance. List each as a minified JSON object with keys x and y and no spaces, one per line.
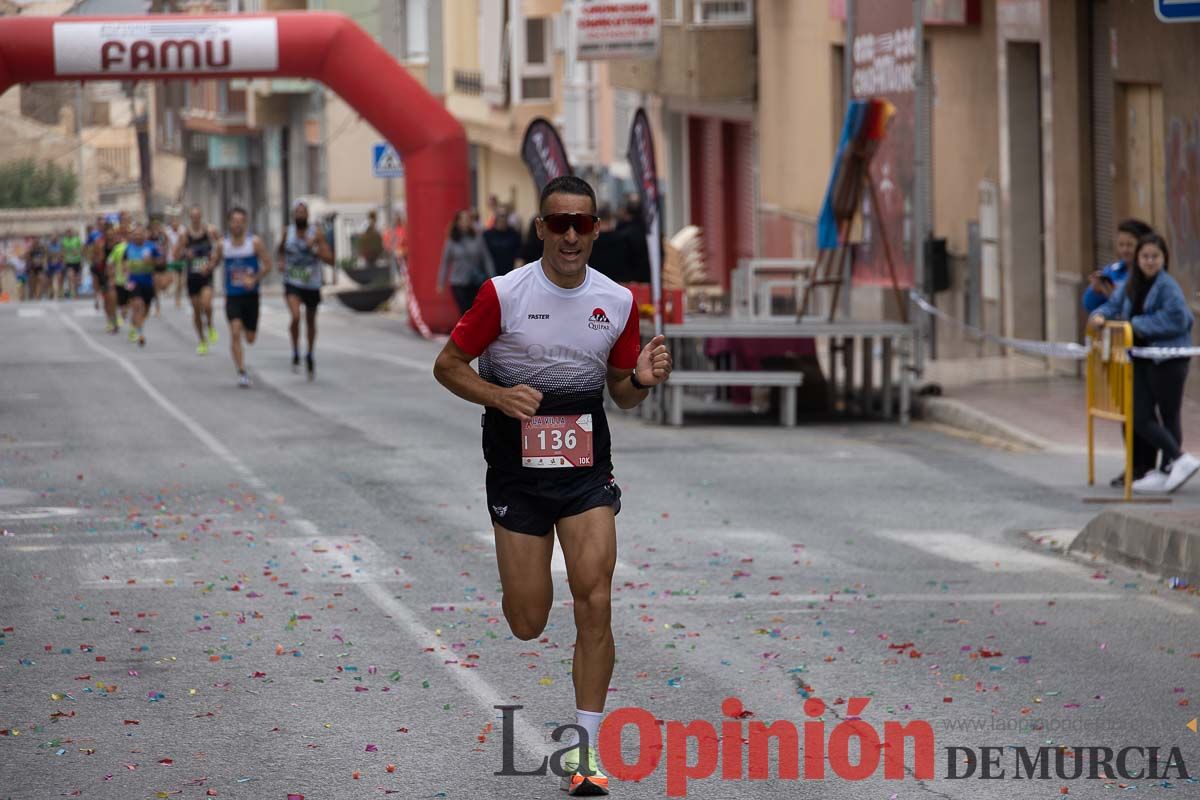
{"x":1110,"y":392}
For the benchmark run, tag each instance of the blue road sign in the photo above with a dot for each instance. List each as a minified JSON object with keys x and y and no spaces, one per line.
{"x":385,"y":161}
{"x":1177,"y":10}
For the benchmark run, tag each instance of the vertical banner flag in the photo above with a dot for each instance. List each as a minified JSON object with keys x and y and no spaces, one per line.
{"x":885,"y":59}
{"x":544,"y":153}
{"x":645,"y":174}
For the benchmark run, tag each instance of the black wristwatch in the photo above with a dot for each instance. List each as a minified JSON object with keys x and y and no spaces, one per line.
{"x":636,"y":383}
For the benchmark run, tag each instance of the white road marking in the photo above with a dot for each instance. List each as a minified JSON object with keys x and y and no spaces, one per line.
{"x":38,"y":513}
{"x":195,"y":428}
{"x":981,"y":554}
{"x":483,"y":693}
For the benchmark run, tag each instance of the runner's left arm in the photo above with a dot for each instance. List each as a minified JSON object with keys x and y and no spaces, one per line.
{"x":652,"y":363}
{"x":653,"y":367}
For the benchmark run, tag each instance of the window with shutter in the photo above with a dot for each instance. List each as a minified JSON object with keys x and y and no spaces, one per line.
{"x":492,"y":32}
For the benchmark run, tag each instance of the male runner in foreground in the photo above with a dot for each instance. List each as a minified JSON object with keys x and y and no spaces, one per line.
{"x":549,"y":336}
{"x":246,"y":263}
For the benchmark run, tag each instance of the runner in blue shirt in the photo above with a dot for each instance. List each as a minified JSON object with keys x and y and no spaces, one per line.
{"x":246,"y":262}
{"x":139,"y":260}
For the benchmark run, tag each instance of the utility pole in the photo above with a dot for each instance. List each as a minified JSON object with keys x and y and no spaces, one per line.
{"x":920,"y":185}
{"x":847,"y":98}
{"x":79,"y":162}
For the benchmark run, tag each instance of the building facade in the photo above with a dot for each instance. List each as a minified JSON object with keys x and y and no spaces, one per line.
{"x":1048,"y":123}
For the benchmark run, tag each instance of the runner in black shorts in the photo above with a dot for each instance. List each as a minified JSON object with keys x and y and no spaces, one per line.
{"x":549,"y":336}
{"x":195,"y":249}
{"x":246,"y":262}
{"x":302,"y":249}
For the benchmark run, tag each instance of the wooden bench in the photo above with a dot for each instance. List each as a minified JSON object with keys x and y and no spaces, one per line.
{"x":788,"y":381}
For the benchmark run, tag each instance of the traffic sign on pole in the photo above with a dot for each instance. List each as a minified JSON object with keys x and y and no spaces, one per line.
{"x":1177,"y":10}
{"x":385,"y":161}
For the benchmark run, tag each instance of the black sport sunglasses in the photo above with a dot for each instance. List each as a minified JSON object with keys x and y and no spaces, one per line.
{"x":582,"y":223}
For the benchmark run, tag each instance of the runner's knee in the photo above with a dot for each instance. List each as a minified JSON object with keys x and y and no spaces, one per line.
{"x":526,"y":626}
{"x":593,"y":601}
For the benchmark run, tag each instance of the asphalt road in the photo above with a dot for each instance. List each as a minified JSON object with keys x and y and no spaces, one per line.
{"x":207,"y":591}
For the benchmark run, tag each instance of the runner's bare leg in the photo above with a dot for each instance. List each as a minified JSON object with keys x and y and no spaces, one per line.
{"x":528,"y":590}
{"x":589,"y":544}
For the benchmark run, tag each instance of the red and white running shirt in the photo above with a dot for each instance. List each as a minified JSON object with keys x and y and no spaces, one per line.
{"x":527,"y":330}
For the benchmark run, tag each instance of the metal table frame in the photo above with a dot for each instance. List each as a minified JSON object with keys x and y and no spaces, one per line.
{"x":897,"y":348}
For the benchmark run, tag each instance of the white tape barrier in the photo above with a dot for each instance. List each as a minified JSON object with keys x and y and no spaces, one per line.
{"x":1068,"y":350}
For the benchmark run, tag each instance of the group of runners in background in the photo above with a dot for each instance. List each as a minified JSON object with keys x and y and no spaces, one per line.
{"x":133,"y":264}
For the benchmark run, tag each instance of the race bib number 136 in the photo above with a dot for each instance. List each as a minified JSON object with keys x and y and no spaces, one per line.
{"x":558,"y":441}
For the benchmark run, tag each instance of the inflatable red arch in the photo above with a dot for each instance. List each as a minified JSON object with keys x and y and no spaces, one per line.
{"x":323,"y":46}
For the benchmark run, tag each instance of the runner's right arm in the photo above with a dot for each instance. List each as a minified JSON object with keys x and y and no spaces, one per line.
{"x":477,"y":329}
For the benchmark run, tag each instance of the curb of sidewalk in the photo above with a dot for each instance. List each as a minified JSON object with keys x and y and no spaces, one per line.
{"x":1166,"y":543}
{"x":957,"y":414}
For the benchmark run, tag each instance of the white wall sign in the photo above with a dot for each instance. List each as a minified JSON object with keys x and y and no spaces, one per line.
{"x":617,"y":29}
{"x":163,"y":47}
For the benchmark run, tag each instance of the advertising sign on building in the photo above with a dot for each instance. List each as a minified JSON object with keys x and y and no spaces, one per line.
{"x":617,"y":29}
{"x":228,"y":152}
{"x":137,"y":47}
{"x":885,"y":60}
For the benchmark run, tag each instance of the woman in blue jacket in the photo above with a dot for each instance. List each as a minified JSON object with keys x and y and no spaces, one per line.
{"x":1155,"y":307}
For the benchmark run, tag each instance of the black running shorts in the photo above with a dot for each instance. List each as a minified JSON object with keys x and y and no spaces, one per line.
{"x":197,"y":281}
{"x":533,"y":505}
{"x":145,"y":291}
{"x":243,"y":307}
{"x":311,"y":298}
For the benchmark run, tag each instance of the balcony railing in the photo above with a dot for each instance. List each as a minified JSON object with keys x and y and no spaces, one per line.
{"x":722,"y":12}
{"x":468,"y":82}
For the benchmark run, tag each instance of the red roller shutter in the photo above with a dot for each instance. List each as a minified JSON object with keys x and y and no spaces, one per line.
{"x":742,"y":180}
{"x":706,"y":169}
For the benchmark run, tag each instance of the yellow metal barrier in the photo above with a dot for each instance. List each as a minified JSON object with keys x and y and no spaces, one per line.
{"x":1110,"y":392}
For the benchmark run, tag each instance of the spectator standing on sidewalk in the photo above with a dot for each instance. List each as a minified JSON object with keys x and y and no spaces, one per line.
{"x":370,"y":242}
{"x":1158,"y":312}
{"x":503,"y":242}
{"x":1103,"y":283}
{"x":466,"y":264}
